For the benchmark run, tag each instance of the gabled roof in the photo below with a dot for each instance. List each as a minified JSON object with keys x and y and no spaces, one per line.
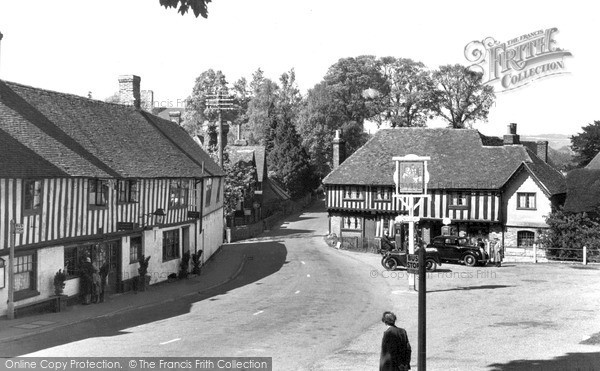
{"x":241,"y":155}
{"x":259,"y":157}
{"x":81,"y":137}
{"x":460,"y":159}
{"x":595,"y":163}
{"x":583,"y":190}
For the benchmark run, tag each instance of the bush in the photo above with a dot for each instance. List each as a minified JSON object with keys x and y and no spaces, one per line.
{"x":568,"y":233}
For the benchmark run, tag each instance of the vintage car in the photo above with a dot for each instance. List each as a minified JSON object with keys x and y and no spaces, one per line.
{"x":454,"y":249}
{"x":394,"y":258}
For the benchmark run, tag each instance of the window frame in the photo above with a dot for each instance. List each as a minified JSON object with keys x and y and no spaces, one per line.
{"x":348,"y":221}
{"x":98,"y":184}
{"x":127,"y":191}
{"x":383,"y":194}
{"x":208,"y":191}
{"x":134,"y":258}
{"x":33,"y":209}
{"x":353,"y":190}
{"x":454,"y":197}
{"x":520,"y":238}
{"x":218,"y":190}
{"x":171,"y":246}
{"x":32,"y":289}
{"x":527,"y":200}
{"x":179,"y":190}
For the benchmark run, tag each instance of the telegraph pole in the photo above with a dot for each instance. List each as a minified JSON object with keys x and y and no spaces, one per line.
{"x":220,"y":101}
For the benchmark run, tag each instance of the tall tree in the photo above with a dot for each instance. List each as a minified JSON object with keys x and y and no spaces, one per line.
{"x":586,"y":145}
{"x":196,"y":109}
{"x":262,"y":110}
{"x":289,"y":161}
{"x":199,"y":7}
{"x":289,"y":97}
{"x":408,"y":102}
{"x":349,"y":80}
{"x":460,"y":97}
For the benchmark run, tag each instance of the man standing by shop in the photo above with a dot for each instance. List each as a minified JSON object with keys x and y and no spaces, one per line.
{"x":395,"y":348}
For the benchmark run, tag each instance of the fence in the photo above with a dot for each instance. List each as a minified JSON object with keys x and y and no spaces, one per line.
{"x":372,"y":245}
{"x":540,"y":254}
{"x":287,"y":207}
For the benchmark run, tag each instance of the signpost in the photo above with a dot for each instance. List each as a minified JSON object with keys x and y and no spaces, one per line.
{"x":411,"y":178}
{"x":15,"y":228}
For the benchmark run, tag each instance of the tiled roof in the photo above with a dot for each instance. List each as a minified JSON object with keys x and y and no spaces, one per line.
{"x":77,"y":136}
{"x":259,"y":157}
{"x":583,"y":190}
{"x":595,"y":163}
{"x":460,"y":159}
{"x":237,"y":154}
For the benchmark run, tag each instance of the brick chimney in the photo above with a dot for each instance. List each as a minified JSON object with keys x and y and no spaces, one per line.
{"x":175,"y":116}
{"x":542,"y":150}
{"x":339,"y":149}
{"x":129,"y":90}
{"x":512,"y":137}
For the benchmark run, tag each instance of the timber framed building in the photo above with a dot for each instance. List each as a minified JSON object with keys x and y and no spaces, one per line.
{"x":488,"y":187}
{"x":106,"y":181}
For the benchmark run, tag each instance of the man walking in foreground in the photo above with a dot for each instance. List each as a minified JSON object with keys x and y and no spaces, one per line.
{"x":395,"y":348}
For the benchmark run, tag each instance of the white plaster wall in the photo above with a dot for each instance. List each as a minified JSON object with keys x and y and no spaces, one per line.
{"x":211,"y":238}
{"x":49,"y":261}
{"x":523,"y":182}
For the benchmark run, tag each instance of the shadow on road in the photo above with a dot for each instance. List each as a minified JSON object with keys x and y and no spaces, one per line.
{"x":261,"y":260}
{"x":570,"y":361}
{"x":482,"y":287}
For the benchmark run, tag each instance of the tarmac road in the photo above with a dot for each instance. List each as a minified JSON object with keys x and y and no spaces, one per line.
{"x":295,"y":300}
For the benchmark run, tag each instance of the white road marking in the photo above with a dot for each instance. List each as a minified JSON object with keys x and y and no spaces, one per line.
{"x":297,"y":292}
{"x":302,"y":262}
{"x":308,"y":275}
{"x":259,"y":312}
{"x":170,"y":341}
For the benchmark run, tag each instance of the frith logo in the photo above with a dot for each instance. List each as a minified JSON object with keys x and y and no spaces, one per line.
{"x":519,"y":61}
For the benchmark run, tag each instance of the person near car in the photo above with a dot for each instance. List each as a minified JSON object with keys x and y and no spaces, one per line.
{"x":496,"y":252}
{"x":386,"y":243}
{"x":395,"y":347}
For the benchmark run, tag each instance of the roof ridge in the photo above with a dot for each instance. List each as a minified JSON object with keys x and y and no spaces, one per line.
{"x":71,"y":95}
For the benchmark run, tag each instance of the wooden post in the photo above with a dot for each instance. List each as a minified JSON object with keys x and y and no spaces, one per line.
{"x":421,"y":358}
{"x":11,"y":273}
{"x":535,"y":253}
{"x":584,"y":255}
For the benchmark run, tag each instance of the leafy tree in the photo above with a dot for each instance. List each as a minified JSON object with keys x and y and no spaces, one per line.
{"x":289,"y":97}
{"x":460,"y":97}
{"x":349,"y":82}
{"x":262,"y":110}
{"x":199,"y":7}
{"x":586,"y":145}
{"x":289,"y":161}
{"x":568,"y":233}
{"x":238,"y":180}
{"x":196,"y":109}
{"x":410,"y":93}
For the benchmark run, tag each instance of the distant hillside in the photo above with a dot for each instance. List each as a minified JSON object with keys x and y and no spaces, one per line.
{"x":559,"y":142}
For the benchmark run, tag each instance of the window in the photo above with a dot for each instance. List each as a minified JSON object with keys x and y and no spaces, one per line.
{"x":383,"y":194}
{"x":458,"y":200}
{"x":98,"y":192}
{"x":178,"y":193}
{"x":351,"y":222}
{"x":74,"y":256}
{"x":135,"y":249}
{"x":525,"y":238}
{"x":32,"y":196}
{"x":218,"y":190}
{"x":352,"y":193}
{"x":170,"y":244}
{"x":526,"y":201}
{"x":128,"y":191}
{"x":208,"y":191}
{"x":24,"y":276}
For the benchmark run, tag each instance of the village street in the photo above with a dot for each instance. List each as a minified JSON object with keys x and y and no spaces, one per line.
{"x":313,"y":307}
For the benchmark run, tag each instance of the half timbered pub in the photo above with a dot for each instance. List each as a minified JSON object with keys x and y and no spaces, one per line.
{"x":482,"y":187}
{"x":81,"y":178}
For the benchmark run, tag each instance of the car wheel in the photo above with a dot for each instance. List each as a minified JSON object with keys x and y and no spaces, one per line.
{"x":430,"y":265}
{"x":389,"y":263}
{"x":470,"y":260}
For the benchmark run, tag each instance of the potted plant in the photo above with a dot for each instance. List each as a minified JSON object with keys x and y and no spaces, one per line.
{"x":196,"y":262}
{"x":59,"y":282}
{"x":184,"y":265}
{"x":144,"y":279}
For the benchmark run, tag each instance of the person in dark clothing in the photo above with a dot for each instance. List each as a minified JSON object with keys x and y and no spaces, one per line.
{"x":103,"y":275}
{"x":395,"y":347}
{"x":386,"y":243}
{"x":87,"y":280}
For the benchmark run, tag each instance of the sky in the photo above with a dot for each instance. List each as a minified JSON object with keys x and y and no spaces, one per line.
{"x":77,"y":47}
